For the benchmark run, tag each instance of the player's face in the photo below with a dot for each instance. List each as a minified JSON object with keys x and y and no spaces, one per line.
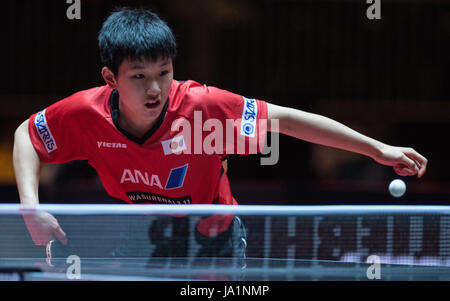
{"x":144,"y":88}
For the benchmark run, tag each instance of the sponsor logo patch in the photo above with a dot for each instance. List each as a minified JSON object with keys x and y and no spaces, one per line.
{"x":44,"y":132}
{"x":174,"y":145}
{"x":248,"y":123}
{"x":174,"y":180}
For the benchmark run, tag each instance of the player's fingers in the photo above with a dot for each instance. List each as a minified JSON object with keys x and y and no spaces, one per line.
{"x":39,"y":236}
{"x":410,"y":172}
{"x":422,"y":171}
{"x":409,"y":164}
{"x":415,"y":155}
{"x":420,"y":161}
{"x":422,"y":167}
{"x":403,"y":170}
{"x":39,"y":242}
{"x":399,"y":171}
{"x":60,"y":234}
{"x":40,"y":239}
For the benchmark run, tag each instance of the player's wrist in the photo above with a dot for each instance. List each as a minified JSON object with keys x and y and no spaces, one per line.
{"x":29,"y":201}
{"x":376,"y":150}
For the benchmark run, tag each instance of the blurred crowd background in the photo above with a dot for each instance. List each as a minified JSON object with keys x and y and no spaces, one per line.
{"x":386,"y":78}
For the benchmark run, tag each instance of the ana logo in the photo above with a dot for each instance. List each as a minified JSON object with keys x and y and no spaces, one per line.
{"x":248,"y":123}
{"x":174,"y":180}
{"x":174,"y":146}
{"x":44,"y":131}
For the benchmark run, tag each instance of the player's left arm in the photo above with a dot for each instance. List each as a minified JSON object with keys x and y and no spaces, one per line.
{"x":325,"y":131}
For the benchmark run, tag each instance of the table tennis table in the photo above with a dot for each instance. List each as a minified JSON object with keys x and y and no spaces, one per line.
{"x":215,"y":269}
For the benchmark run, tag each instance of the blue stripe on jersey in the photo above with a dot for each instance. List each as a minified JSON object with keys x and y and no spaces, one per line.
{"x":176,"y":177}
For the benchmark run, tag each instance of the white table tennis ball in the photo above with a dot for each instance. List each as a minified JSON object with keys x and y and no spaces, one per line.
{"x":397,"y":188}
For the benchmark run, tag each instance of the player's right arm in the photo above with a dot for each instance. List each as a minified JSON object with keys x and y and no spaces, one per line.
{"x":42,"y":226}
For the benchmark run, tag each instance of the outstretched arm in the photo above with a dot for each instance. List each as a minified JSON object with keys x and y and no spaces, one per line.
{"x":42,"y":226}
{"x":26,"y":166}
{"x":325,"y":131}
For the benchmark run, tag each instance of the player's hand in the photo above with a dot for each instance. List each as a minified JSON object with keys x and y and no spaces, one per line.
{"x":405,"y":160}
{"x":44,"y":227}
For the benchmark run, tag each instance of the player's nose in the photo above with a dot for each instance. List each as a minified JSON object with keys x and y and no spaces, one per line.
{"x":153,"y":89}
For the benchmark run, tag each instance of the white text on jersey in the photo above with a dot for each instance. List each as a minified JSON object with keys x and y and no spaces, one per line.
{"x":136,"y":177}
{"x":111,"y":144}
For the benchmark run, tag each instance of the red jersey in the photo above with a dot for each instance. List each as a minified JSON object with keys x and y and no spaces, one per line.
{"x":179,"y":161}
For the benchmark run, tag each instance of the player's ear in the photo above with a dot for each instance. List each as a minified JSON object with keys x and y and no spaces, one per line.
{"x":109,"y":77}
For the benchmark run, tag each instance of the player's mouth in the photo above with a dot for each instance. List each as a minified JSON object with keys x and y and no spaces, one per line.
{"x":151,"y":104}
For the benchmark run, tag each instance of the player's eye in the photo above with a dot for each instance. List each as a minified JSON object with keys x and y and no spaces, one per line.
{"x":139,"y":76}
{"x":163,"y":73}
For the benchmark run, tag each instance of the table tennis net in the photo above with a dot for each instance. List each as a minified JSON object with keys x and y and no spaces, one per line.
{"x":413,"y":235}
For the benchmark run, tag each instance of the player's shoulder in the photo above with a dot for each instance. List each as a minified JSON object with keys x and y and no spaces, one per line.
{"x":191,"y":95}
{"x":193,"y":88}
{"x":88,"y":97}
{"x":182,"y":89}
{"x":90,"y":100}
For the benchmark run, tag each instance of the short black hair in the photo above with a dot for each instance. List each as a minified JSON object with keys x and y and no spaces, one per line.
{"x":135,"y":34}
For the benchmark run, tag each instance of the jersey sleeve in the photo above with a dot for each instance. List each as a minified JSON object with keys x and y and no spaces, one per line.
{"x":56,"y":133}
{"x":240,"y":123}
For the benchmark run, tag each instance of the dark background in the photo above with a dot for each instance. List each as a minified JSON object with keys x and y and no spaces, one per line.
{"x":385,"y":78}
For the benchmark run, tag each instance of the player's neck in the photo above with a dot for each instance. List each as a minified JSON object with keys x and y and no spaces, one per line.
{"x":134,"y":127}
